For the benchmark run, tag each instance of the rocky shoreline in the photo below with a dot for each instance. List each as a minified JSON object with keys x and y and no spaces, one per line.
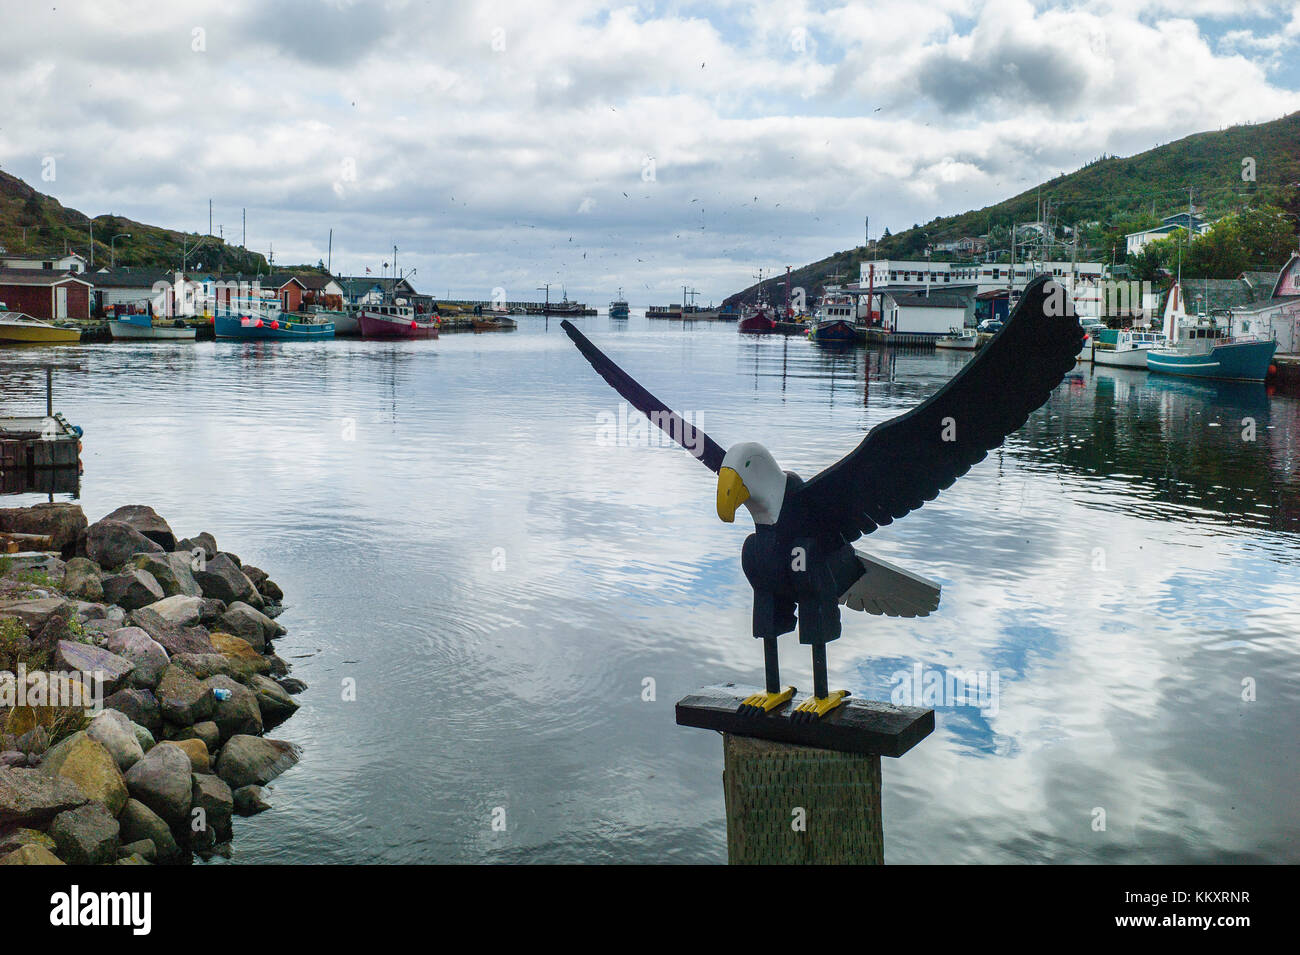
{"x":175,"y":636}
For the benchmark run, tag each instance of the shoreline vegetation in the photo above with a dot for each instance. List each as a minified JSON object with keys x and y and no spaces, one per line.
{"x":170,"y":641}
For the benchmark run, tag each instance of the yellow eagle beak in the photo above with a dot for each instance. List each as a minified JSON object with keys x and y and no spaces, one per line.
{"x":731,"y":494}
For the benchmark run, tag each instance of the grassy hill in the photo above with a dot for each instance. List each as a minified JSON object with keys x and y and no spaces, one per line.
{"x":1107,"y":198}
{"x":36,"y":224}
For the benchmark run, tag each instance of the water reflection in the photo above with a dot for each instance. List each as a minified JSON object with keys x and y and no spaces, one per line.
{"x":1122,"y":565}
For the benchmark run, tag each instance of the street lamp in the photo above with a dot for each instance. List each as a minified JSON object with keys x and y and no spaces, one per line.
{"x":112,"y":254}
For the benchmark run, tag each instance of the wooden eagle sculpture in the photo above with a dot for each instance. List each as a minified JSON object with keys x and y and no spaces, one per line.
{"x":800,"y":560}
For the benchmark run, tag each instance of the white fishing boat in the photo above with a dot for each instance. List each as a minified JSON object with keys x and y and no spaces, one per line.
{"x":959,"y":339}
{"x":1124,"y":347}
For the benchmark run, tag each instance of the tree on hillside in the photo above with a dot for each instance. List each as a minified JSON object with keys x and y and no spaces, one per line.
{"x":1255,"y":240}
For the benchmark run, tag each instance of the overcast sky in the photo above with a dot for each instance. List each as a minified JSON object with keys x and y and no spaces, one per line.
{"x":508,"y":144}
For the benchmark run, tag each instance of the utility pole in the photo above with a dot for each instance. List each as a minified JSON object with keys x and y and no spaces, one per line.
{"x":243,"y":242}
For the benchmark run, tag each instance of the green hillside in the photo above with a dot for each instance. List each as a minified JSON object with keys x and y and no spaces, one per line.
{"x":1106,"y":199}
{"x":36,"y":224}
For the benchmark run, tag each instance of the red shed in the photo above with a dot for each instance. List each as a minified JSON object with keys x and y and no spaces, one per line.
{"x":45,"y":294}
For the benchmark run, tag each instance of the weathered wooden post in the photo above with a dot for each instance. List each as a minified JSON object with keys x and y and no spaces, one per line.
{"x":804,"y":792}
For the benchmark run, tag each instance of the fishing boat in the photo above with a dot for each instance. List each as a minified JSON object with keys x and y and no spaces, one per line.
{"x":959,"y":339}
{"x":619,"y":307}
{"x":1243,"y":359}
{"x":287,"y":327}
{"x":1124,"y":347}
{"x":1198,"y":346}
{"x":833,"y":322}
{"x":141,"y":326}
{"x":396,"y":321}
{"x":664,"y":311}
{"x":19,"y":327}
{"x":757,"y":319}
{"x":259,"y":317}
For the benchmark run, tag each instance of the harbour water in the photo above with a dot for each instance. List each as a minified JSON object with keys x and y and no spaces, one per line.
{"x":521,"y":592}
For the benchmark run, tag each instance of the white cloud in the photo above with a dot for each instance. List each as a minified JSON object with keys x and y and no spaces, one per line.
{"x":502,"y":144}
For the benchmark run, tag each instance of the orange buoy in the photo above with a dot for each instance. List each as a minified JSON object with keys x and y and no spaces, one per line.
{"x":274,"y":323}
{"x":259,"y":324}
{"x":413,"y":324}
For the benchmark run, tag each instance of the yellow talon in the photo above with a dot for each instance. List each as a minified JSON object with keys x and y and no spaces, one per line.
{"x":815,"y":707}
{"x":761,"y":703}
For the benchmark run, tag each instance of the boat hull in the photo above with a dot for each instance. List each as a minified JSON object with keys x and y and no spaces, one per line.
{"x":958,"y":342}
{"x":1114,"y":358}
{"x":126,"y":331}
{"x":38,"y":335}
{"x":244,"y":328}
{"x":384,"y":326}
{"x":1241,"y":361}
{"x":619,"y":311}
{"x":834,"y":332}
{"x":758,"y":324}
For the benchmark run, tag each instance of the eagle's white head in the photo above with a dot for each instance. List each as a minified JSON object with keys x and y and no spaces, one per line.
{"x":750,"y":475}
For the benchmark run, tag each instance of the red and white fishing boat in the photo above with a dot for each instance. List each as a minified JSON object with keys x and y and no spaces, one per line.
{"x":396,"y":321}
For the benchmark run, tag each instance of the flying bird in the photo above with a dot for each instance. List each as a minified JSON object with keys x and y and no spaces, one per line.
{"x":800,"y":560}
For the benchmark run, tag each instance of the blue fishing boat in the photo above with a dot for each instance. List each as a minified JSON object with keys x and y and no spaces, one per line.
{"x":619,"y":307}
{"x":141,"y":326}
{"x":282,"y":327}
{"x":1234,"y":358}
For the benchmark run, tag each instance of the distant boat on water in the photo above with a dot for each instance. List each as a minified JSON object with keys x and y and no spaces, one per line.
{"x":833,"y":323}
{"x":959,"y":339}
{"x":757,"y":320}
{"x":273,"y":327}
{"x":141,"y":326}
{"x":619,"y":307}
{"x":1240,"y":359}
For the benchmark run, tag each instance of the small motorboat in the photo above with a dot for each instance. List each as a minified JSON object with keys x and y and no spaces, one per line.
{"x":959,"y":339}
{"x":396,"y":321}
{"x":1124,"y":348}
{"x":22,"y":328}
{"x":140,"y":326}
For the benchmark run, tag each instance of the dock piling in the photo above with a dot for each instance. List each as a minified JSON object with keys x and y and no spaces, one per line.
{"x":804,"y":793}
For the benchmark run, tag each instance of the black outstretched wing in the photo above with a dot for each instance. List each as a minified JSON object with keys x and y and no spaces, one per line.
{"x":908,"y":460}
{"x":669,"y":421}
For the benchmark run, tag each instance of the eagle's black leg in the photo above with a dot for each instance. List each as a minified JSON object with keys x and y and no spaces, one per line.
{"x":772,"y":617}
{"x":819,"y":622}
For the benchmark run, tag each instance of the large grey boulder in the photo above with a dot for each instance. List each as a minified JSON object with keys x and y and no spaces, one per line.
{"x":81,"y":580}
{"x":29,"y":797}
{"x":250,"y":624}
{"x":275,"y":703}
{"x":238,"y":712}
{"x":86,"y":658}
{"x":183,"y":699}
{"x":112,"y":543}
{"x":145,"y":520}
{"x":116,"y":733}
{"x":178,"y":610}
{"x":149,"y":656}
{"x":140,"y":706}
{"x":172,"y":571}
{"x":174,"y":639}
{"x":87,"y":835}
{"x":35,"y":614}
{"x":204,"y":542}
{"x":213,"y":796}
{"x":132,"y":589}
{"x":138,"y":821}
{"x":62,"y":523}
{"x":254,"y":760}
{"x":162,"y":782}
{"x":249,"y":801}
{"x":86,"y":762}
{"x":221,"y":578}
